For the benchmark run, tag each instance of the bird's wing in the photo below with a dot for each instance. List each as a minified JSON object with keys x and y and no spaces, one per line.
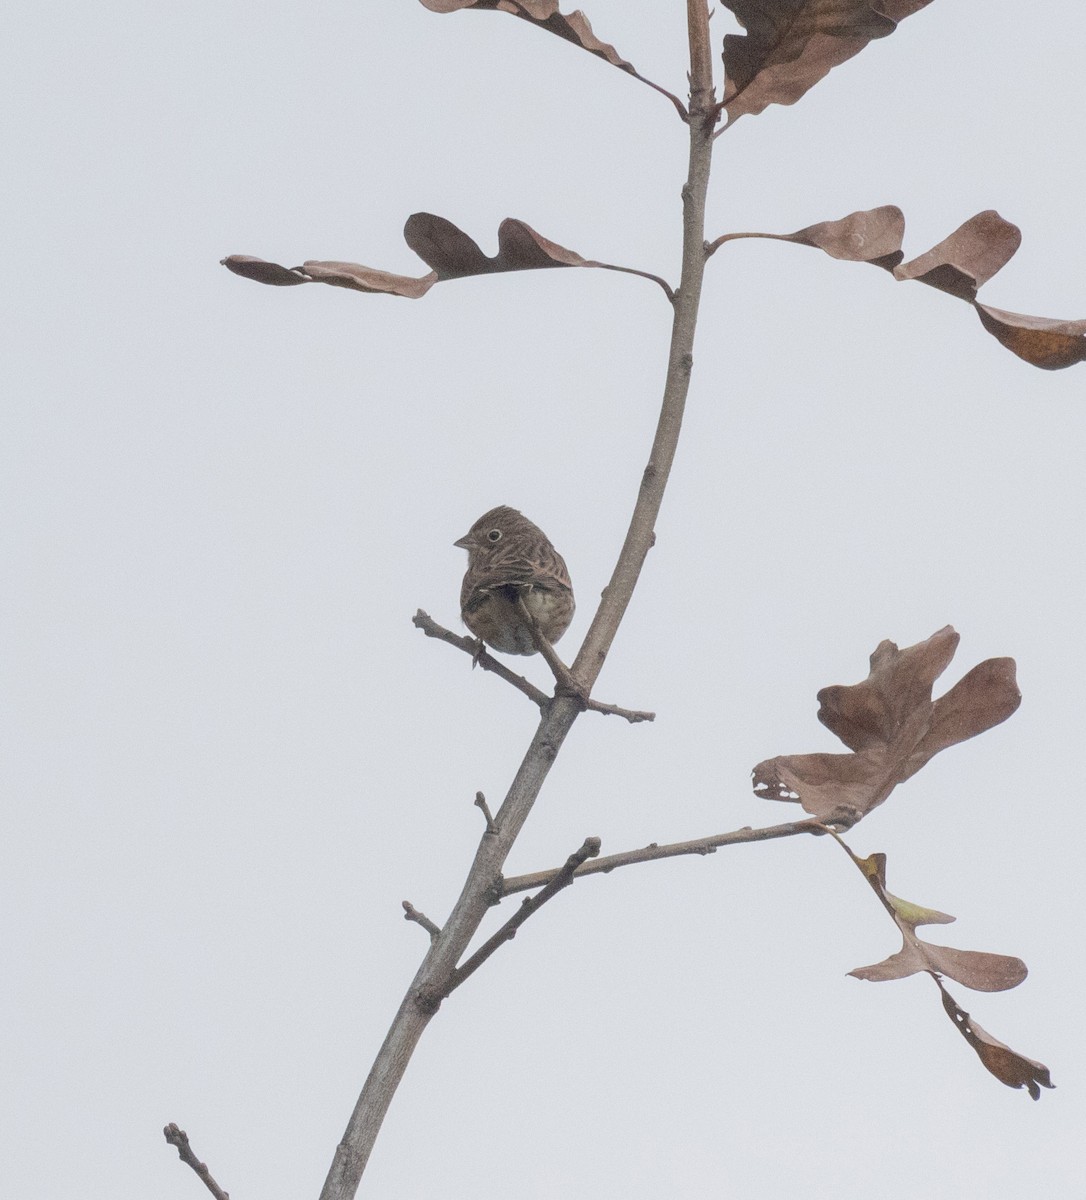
{"x":544,"y":570}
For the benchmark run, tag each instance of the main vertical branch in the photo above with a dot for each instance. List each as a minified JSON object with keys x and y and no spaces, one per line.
{"x":447,"y":949}
{"x":640,"y":535}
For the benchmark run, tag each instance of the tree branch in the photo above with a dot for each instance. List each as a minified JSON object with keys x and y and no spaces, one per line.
{"x":640,"y":535}
{"x":179,"y":1138}
{"x":481,"y":804}
{"x":558,"y":880}
{"x":488,"y":662}
{"x":411,"y":913}
{"x":438,"y":967}
{"x":654,"y":852}
{"x":480,"y":655}
{"x":559,"y":670}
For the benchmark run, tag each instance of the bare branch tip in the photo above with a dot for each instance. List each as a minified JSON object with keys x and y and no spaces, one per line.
{"x":613,"y":710}
{"x":176,"y":1136}
{"x":411,"y":913}
{"x":590,"y":848}
{"x":480,"y":803}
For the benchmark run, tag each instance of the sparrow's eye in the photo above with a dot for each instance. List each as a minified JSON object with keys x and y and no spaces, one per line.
{"x":495,"y":535}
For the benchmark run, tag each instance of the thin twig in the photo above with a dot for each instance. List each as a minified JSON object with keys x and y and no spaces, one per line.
{"x":411,"y":913}
{"x":480,"y":802}
{"x":564,"y":677}
{"x":654,"y":851}
{"x":632,"y":715}
{"x":559,"y":879}
{"x":561,"y":672}
{"x":179,"y":1138}
{"x":483,"y":658}
{"x":422,"y":620}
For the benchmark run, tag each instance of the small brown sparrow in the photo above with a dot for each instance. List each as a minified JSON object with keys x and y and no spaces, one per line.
{"x":510,"y":558}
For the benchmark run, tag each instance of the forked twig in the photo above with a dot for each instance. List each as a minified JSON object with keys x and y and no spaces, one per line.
{"x":559,"y":879}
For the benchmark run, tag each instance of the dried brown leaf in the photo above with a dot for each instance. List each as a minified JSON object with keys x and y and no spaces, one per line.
{"x":1041,"y":341}
{"x":367,"y":279}
{"x":571,"y":27}
{"x":442,"y":246}
{"x":263,"y":271}
{"x":453,"y":255}
{"x":1007,"y":1065}
{"x":837,"y":788}
{"x":980,"y":970}
{"x":892,"y":727}
{"x":872,"y":236}
{"x":969,"y":257}
{"x":958,"y":265}
{"x":789,"y":45}
{"x":983,"y":697}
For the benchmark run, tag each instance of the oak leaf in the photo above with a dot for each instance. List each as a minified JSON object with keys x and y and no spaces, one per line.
{"x":1041,"y":341}
{"x":789,"y":45}
{"x":1007,"y":1065}
{"x":873,"y":235}
{"x":958,"y":265}
{"x":262,"y":271}
{"x":980,"y":970}
{"x":892,"y":726}
{"x":445,"y":248}
{"x":571,"y":27}
{"x":970,"y":256}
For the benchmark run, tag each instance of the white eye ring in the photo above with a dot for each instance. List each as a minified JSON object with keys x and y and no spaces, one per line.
{"x":495,"y":535}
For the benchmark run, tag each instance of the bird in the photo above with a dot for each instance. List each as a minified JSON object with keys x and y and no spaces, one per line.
{"x":511,"y":559}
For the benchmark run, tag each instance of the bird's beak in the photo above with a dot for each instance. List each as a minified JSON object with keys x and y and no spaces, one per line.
{"x":465,"y":543}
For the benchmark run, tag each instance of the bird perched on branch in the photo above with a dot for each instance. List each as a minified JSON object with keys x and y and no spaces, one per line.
{"x":510,"y":562}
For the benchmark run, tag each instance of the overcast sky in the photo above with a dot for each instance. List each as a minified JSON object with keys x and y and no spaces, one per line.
{"x":228,"y":754}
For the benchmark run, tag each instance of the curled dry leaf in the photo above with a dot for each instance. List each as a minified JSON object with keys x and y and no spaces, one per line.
{"x":1041,"y":341}
{"x":1007,"y":1065}
{"x":263,"y":271}
{"x":982,"y":971}
{"x":366,"y":279}
{"x":872,"y":236}
{"x":789,"y":45}
{"x":453,"y":255}
{"x":572,"y":27}
{"x":979,"y":970}
{"x":338,"y":274}
{"x":958,"y":265}
{"x":892,"y":726}
{"x":442,"y":246}
{"x":969,"y":257}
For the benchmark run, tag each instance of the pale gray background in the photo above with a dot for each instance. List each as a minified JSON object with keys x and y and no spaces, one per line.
{"x":229,"y":756}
